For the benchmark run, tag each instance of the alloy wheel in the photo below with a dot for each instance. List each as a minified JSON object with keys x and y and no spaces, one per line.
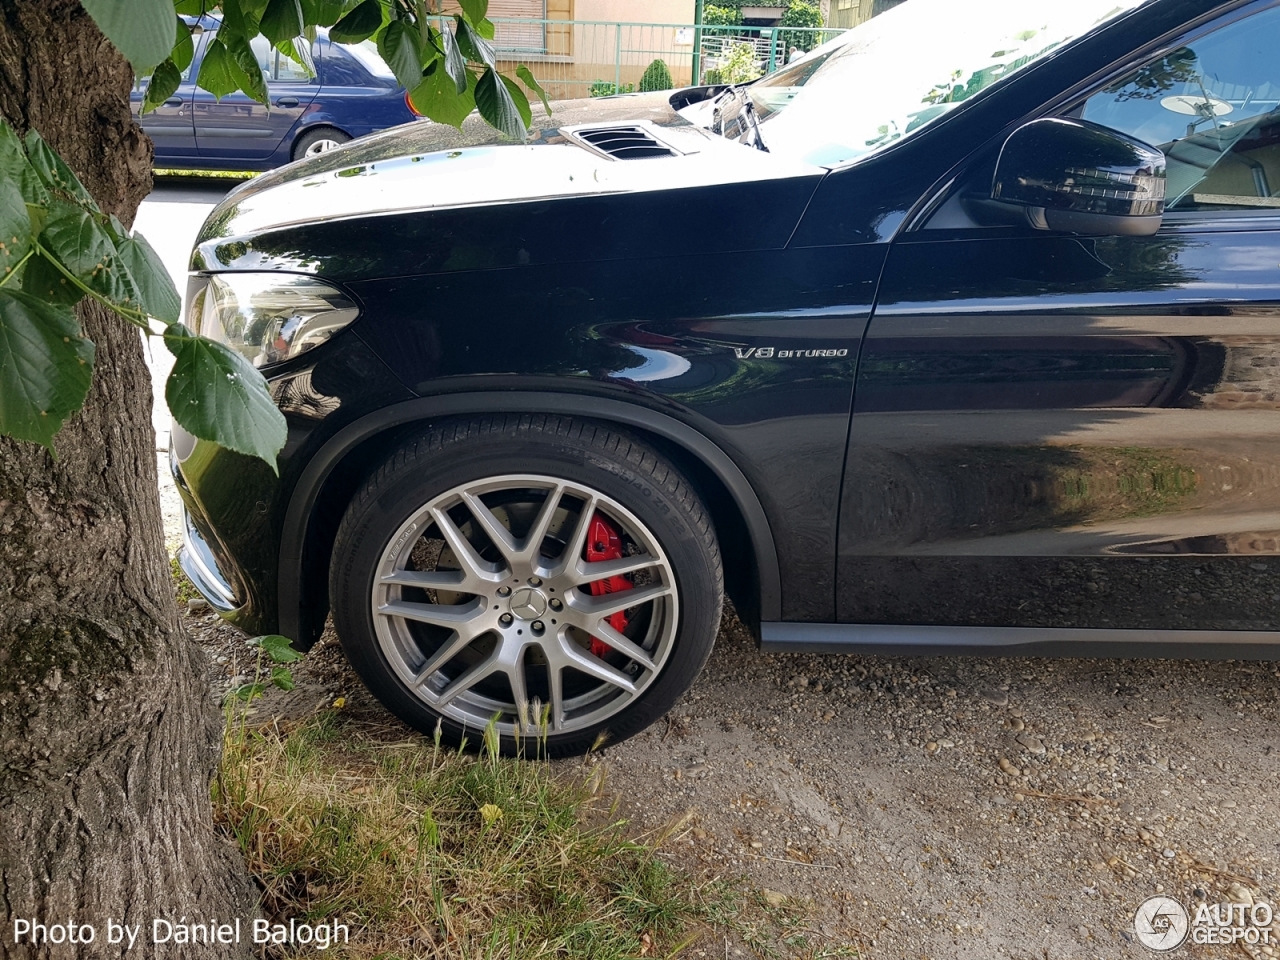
{"x":499,"y":600}
{"x":321,"y":146}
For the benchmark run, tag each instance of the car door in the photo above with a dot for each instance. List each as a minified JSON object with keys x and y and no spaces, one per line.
{"x":171,"y":125}
{"x":1061,"y":431}
{"x":237,"y":127}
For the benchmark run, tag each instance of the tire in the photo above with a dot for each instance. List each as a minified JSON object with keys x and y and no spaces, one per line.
{"x":318,"y":140}
{"x":450,"y":627}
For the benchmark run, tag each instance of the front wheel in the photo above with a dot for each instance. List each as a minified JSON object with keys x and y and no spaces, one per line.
{"x":555,"y":577}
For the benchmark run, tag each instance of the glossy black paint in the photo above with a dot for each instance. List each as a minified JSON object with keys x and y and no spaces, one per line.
{"x":922,"y":476}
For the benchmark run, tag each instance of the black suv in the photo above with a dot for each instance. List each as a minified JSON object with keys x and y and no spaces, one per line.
{"x":960,"y":333}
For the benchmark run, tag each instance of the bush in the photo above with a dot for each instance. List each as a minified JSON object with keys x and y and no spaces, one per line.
{"x":607,"y":88}
{"x":656,"y":77}
{"x":716,"y":15}
{"x":801,"y":13}
{"x":713,"y":77}
{"x":739,"y":64}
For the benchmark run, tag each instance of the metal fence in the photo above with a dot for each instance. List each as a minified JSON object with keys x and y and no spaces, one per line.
{"x":579,"y":58}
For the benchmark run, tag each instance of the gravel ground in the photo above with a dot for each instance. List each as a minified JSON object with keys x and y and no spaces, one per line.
{"x":958,"y":809}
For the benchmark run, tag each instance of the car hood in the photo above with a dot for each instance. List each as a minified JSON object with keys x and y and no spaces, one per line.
{"x":430,"y":166}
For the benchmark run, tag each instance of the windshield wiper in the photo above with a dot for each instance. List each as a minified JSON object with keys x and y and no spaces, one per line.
{"x":739,"y":124}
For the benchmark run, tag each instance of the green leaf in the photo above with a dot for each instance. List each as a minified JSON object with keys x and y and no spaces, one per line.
{"x":248,"y":692}
{"x":486,"y":29}
{"x":475,"y":47}
{"x":400,"y":45}
{"x":474,"y":9}
{"x":323,"y":13}
{"x":15,"y":229}
{"x":282,"y":21}
{"x":164,"y":81}
{"x":438,"y":99}
{"x":282,"y":677}
{"x":245,"y":66}
{"x":241,"y":17}
{"x":526,"y":77}
{"x":496,"y":105}
{"x":141,"y":29}
{"x":184,"y":48}
{"x":454,"y":62}
{"x":42,"y":279}
{"x":279,"y":649}
{"x":216,"y":70}
{"x":86,"y":246}
{"x":79,"y":241}
{"x":360,"y":24}
{"x":190,"y":8}
{"x":45,"y":367}
{"x":521,"y":101}
{"x":15,"y":166}
{"x":217,"y":395}
{"x":156,"y":295}
{"x":54,"y":173}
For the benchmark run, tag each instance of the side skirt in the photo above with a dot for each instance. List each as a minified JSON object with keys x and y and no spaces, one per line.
{"x":905,"y":640}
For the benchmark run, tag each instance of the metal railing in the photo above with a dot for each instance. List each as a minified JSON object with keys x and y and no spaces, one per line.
{"x":579,"y":58}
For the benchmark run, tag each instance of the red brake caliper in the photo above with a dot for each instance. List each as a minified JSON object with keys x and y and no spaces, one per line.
{"x":605,"y":543}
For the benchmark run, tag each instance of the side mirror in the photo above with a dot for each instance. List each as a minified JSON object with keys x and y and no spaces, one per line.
{"x":1078,"y":177}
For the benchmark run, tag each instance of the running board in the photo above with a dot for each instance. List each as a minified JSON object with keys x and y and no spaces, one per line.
{"x":899,"y":640}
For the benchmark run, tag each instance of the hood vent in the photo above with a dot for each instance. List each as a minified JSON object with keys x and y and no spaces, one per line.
{"x":624,"y":143}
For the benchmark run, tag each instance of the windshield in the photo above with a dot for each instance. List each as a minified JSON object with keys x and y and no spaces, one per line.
{"x":897,"y":72}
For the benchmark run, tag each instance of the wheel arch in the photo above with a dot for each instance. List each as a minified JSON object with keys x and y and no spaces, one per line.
{"x":330,"y":478}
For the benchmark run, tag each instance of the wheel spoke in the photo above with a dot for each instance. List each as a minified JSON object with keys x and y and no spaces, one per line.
{"x":593,"y":666}
{"x":492,"y":526}
{"x":448,"y":650}
{"x":453,"y":616}
{"x":466,"y":554}
{"x":605,"y":604}
{"x":519,"y":691}
{"x":624,"y":645}
{"x":576,"y":539}
{"x":532,"y":544}
{"x":427,"y":580}
{"x":602,"y":569}
{"x":469,"y":678}
{"x":555,"y":681}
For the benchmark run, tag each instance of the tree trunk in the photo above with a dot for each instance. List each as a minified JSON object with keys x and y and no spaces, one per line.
{"x":108,"y":737}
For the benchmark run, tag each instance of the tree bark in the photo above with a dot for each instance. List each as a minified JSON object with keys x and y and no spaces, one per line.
{"x":108,"y":738}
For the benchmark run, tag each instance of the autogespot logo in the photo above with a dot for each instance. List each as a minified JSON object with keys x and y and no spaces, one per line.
{"x":1161,"y":923}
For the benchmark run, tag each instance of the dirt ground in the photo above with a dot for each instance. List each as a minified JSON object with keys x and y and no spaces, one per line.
{"x":952,"y":809}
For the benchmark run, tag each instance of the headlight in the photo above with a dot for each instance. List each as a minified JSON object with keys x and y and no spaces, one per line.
{"x":269,"y":317}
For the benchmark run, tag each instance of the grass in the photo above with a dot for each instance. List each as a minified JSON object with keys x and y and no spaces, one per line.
{"x":428,"y":852}
{"x":183,"y":589}
{"x":205,"y":174}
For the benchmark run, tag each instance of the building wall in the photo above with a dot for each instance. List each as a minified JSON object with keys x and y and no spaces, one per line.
{"x":628,"y":11}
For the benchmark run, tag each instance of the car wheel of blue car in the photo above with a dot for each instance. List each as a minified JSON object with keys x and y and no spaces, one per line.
{"x":317,"y":141}
{"x":555,"y":578}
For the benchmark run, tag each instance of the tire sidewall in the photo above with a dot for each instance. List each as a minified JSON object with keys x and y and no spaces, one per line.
{"x":404,"y":490}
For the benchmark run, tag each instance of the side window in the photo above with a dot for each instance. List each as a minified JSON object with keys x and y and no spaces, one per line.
{"x":288,"y":70}
{"x":1213,"y":107}
{"x":263,"y":52}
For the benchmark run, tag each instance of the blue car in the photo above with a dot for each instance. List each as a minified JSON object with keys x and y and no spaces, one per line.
{"x":352,"y":93}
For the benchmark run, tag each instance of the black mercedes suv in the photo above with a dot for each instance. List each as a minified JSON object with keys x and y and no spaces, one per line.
{"x":961,"y":333}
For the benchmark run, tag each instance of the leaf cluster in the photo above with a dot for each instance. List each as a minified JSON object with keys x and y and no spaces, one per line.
{"x":58,"y":247}
{"x":447,"y":64}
